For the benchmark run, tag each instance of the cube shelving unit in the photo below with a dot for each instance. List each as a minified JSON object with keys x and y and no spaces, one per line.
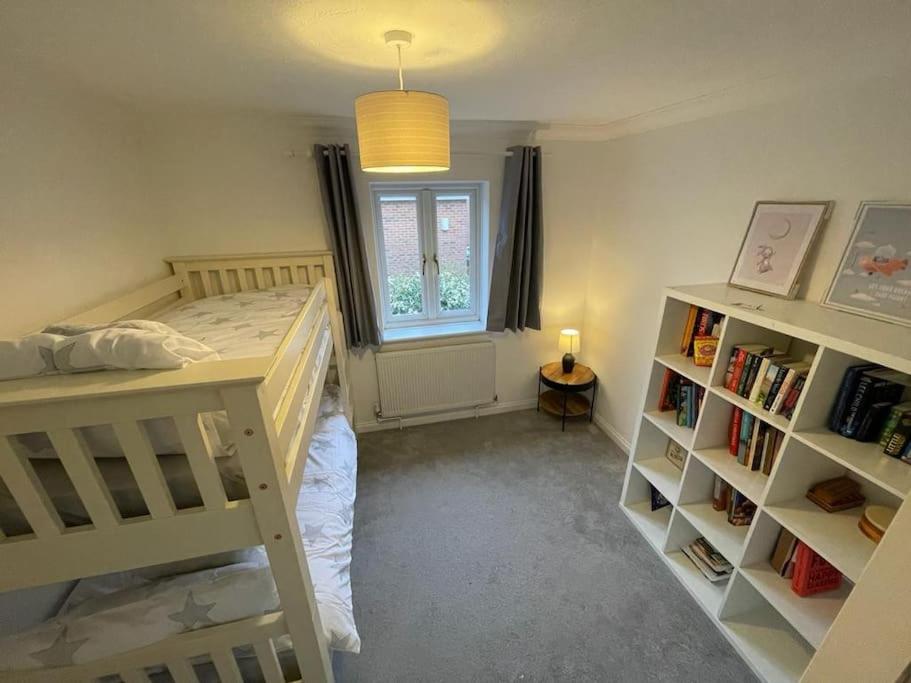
{"x":774,"y":630}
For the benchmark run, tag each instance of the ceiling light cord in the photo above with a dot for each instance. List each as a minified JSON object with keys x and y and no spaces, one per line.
{"x":401,"y":75}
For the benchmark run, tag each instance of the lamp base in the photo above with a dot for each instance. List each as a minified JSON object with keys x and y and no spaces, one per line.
{"x":569,"y":360}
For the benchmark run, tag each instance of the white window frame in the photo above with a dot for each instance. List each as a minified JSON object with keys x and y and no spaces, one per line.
{"x":425,"y":193}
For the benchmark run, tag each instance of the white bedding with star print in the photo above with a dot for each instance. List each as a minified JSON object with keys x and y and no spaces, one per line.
{"x":112,"y":614}
{"x":242,"y":325}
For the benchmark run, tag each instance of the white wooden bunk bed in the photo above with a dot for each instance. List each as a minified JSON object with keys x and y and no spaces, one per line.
{"x":262,"y":398}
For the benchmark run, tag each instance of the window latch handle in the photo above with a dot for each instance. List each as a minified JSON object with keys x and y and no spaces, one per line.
{"x":437,"y":263}
{"x":423,"y":265}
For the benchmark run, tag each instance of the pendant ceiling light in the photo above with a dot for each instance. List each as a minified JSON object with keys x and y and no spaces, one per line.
{"x":402,"y":131}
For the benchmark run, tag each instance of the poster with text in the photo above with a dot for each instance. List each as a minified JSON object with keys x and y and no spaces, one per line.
{"x":873,"y":278}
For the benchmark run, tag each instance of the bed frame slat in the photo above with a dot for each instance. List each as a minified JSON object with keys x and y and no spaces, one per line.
{"x":268,"y":661}
{"x":134,"y":676}
{"x":87,"y":480}
{"x":226,"y":666}
{"x":139,"y":453}
{"x":181,"y":671}
{"x":202,"y":461}
{"x":28,"y":492}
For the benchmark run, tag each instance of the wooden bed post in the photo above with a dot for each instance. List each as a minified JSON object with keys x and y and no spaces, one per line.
{"x":339,"y":342}
{"x":274,"y":508}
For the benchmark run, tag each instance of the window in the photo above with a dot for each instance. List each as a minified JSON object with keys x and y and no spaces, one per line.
{"x":429,"y":246}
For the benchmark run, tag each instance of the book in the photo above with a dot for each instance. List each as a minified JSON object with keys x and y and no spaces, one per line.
{"x":778,"y":383}
{"x":783,"y":551}
{"x":790,"y":403}
{"x":750,"y":368}
{"x":741,"y":351}
{"x":684,"y":402}
{"x":688,"y":329}
{"x":675,"y":453}
{"x":710,"y":555}
{"x":760,"y":374}
{"x":746,"y":429}
{"x":900,"y":438}
{"x":721,"y":493}
{"x":785,"y":388}
{"x":892,"y":421}
{"x":773,"y":369}
{"x":769,"y":461}
{"x":872,"y":422}
{"x":740,"y":510}
{"x":734,"y":433}
{"x":755,"y":437}
{"x":658,"y":501}
{"x":704,"y":349}
{"x":713,"y":576}
{"x":667,"y":395}
{"x":846,"y":391}
{"x":729,"y":372}
{"x":872,"y":387}
{"x":759,"y":437}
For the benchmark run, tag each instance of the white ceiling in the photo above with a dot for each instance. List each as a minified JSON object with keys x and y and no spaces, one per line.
{"x":573,"y":61}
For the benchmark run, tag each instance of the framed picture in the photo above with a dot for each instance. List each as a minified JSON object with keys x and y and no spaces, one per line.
{"x":776,"y":245}
{"x":874,"y":278}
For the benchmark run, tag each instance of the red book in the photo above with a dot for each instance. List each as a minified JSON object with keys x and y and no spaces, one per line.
{"x":705,"y":319}
{"x":734,"y":435}
{"x":738,"y":369}
{"x":665,"y":385}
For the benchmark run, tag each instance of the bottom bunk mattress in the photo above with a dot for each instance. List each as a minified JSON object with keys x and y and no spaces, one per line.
{"x":116,"y":613}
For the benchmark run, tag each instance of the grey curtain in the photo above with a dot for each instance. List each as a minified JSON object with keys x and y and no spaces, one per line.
{"x":353,"y":278}
{"x":515,"y":286}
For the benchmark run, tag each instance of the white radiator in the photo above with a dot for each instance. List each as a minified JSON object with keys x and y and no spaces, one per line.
{"x":436,"y":379}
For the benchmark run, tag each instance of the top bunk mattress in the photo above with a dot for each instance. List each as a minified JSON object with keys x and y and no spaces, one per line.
{"x":242,"y":325}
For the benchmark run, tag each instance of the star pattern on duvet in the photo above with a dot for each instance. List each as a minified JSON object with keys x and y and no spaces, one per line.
{"x":263,"y":334}
{"x":193,"y":613}
{"x":60,"y":652}
{"x":314,"y":532}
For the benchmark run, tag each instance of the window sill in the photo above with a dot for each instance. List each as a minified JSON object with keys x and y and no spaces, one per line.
{"x":420,"y":332}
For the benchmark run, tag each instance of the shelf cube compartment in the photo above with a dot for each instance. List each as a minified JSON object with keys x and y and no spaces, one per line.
{"x":834,"y":535}
{"x":695,"y":503}
{"x":769,"y":642}
{"x":812,"y":427}
{"x":650,"y":458}
{"x":637,"y":504}
{"x":681,"y":534}
{"x":811,"y":616}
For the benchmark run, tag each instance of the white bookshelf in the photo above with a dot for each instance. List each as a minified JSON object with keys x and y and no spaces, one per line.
{"x":776,"y":631}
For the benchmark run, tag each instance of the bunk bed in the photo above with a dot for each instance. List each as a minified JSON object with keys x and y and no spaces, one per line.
{"x":247,"y":418}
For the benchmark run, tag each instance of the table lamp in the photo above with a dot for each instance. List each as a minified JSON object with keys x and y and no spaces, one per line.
{"x":569,"y":342}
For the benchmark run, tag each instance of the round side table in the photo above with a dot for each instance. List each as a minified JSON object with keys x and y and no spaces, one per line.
{"x":565,"y":396}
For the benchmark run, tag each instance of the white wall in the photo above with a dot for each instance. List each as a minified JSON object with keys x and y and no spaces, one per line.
{"x":227,"y":184}
{"x":674,"y":205}
{"x":76,"y":220}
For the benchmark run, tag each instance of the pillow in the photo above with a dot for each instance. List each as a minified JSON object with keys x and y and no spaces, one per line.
{"x":128,"y":349}
{"x":29,"y":356}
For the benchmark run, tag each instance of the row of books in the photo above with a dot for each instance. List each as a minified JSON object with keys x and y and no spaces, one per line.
{"x":769,"y":378}
{"x":808,"y":572}
{"x":869,"y":406}
{"x":700,"y":323}
{"x":681,"y":395}
{"x":713,"y":565}
{"x":754,"y":443}
{"x":740,"y":509}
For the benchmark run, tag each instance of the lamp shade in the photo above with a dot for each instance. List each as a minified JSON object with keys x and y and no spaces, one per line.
{"x":402,"y":131}
{"x":570,"y":341}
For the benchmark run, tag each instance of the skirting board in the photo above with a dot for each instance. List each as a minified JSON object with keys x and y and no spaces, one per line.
{"x":611,"y":433}
{"x":507,"y":407}
{"x":372,"y":426}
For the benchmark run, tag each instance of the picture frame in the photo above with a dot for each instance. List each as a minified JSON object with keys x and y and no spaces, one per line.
{"x":873,"y":278}
{"x":775,"y":247}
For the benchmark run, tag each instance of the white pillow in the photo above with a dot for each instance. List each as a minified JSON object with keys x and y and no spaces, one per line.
{"x":128,"y":349}
{"x":29,"y":356}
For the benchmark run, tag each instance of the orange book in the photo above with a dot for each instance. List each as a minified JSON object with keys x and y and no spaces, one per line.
{"x":688,"y":329}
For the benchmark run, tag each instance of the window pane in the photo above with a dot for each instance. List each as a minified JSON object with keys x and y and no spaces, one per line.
{"x":453,"y":228}
{"x":403,"y":255}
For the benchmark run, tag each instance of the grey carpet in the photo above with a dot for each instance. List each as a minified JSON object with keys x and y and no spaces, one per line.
{"x":494,"y":550}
